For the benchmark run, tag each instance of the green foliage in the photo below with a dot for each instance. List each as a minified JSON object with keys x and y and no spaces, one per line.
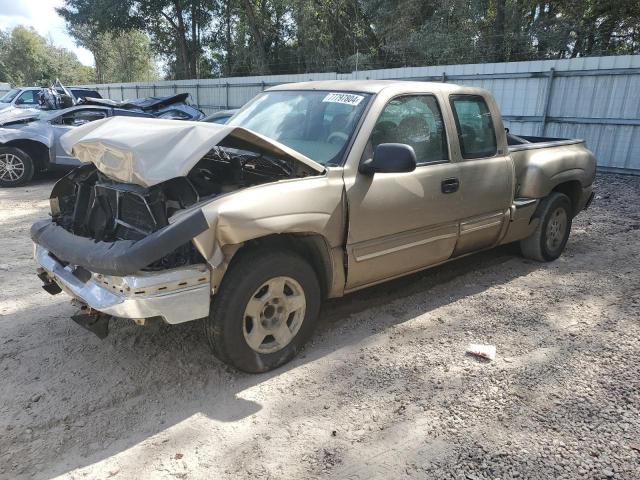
{"x":28,"y":59}
{"x":175,"y":27}
{"x":198,"y":38}
{"x":128,"y":56}
{"x":119,"y":55}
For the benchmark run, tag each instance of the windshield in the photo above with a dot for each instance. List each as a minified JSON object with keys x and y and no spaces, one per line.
{"x":10,"y":95}
{"x":317,"y":124}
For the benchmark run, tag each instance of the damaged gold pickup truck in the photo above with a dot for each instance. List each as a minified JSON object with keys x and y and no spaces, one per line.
{"x":312,"y":190}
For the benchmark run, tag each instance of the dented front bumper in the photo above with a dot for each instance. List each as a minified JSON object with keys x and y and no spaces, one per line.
{"x":177,"y":295}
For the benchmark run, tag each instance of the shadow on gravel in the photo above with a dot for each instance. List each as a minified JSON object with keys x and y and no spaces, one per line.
{"x":145,"y":380}
{"x":40,"y":180}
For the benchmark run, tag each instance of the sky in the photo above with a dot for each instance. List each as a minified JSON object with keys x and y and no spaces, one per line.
{"x":41,"y":15}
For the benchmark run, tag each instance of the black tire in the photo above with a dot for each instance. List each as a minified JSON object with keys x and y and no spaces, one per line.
{"x":225,"y":328}
{"x":548,"y":241}
{"x":21,"y":166}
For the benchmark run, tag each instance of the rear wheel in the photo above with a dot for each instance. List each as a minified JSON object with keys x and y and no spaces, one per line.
{"x":16,"y":167}
{"x":550,"y":237}
{"x":264,"y":312}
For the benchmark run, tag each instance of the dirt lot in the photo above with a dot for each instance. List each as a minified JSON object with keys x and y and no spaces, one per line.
{"x":384,"y":392}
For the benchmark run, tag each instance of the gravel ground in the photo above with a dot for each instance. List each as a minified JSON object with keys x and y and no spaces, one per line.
{"x":384,"y":391}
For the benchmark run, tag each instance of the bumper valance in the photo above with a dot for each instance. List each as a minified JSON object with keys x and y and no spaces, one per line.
{"x":122,"y":257}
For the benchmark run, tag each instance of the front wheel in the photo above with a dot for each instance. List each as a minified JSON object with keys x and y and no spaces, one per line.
{"x":16,"y":167}
{"x":264,"y":312}
{"x":550,"y":237}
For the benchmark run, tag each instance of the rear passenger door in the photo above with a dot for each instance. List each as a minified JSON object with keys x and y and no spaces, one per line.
{"x":486,"y":173}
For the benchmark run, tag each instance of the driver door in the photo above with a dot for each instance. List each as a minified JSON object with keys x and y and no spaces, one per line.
{"x":403,"y":222}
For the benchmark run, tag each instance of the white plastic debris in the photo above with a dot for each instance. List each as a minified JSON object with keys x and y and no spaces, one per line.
{"x":483,"y":351}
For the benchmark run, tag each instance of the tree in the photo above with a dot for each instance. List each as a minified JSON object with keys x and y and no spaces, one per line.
{"x":198,"y":38}
{"x":129,"y":56}
{"x":87,"y":36}
{"x":119,"y":55}
{"x":27,"y":59}
{"x":174,"y":26}
{"x":4,"y":46}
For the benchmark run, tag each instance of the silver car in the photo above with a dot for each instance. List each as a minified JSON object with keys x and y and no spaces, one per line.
{"x":29,"y":139}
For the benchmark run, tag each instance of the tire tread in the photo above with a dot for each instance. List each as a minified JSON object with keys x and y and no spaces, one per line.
{"x":29,"y":167}
{"x":239,"y":277}
{"x":532,"y":246}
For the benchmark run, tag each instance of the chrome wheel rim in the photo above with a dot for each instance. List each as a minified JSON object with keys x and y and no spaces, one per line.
{"x":11,"y":167}
{"x":556,"y":229}
{"x":274,"y":315}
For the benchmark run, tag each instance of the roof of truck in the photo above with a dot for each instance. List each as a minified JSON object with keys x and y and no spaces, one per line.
{"x":372,"y":86}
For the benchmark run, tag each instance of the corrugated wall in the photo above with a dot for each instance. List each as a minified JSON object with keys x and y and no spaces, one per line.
{"x":596,"y":98}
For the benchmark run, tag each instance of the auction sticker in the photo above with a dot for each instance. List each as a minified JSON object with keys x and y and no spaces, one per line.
{"x":346,"y":98}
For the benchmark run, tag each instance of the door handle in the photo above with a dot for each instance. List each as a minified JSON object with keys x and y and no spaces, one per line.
{"x":450,"y":185}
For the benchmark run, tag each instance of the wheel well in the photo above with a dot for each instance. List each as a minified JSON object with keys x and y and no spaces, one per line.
{"x":311,"y":247}
{"x":38,"y":152}
{"x":573,"y":190}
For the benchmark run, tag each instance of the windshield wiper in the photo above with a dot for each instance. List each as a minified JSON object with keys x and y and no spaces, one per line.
{"x":257,"y":163}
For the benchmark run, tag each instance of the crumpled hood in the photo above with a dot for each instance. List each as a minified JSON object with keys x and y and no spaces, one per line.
{"x":147,"y":151}
{"x":17,"y":115}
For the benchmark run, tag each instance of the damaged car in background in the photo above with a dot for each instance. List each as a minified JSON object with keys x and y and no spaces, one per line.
{"x":30,"y":139}
{"x":310,"y":191}
{"x":171,"y":107}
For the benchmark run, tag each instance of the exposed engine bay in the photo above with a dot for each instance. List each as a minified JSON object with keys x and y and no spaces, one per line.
{"x":89,"y":204}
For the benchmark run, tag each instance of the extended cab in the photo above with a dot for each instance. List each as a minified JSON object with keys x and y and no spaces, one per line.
{"x":311,"y":190}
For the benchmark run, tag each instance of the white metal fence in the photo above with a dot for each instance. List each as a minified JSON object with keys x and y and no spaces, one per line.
{"x":596,"y":98}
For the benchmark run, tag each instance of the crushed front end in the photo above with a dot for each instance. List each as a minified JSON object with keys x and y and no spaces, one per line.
{"x":126,"y":250}
{"x":122,"y":236}
{"x":112,"y":247}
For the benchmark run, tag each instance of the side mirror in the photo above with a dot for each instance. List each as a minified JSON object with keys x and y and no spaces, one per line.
{"x":19,"y":101}
{"x":390,"y":158}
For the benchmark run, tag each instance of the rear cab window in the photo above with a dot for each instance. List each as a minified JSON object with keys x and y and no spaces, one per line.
{"x":474,"y":125}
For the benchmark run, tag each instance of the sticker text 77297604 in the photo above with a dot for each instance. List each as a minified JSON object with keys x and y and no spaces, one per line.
{"x":346,"y":98}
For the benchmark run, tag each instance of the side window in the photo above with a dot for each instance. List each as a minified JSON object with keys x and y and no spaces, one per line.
{"x":28,"y":98}
{"x":474,"y":125}
{"x":175,"y":115}
{"x":80,"y":117}
{"x":414,"y":120}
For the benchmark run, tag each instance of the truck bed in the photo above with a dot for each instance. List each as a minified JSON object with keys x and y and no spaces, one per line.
{"x":542,"y":162}
{"x":524,"y":142}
